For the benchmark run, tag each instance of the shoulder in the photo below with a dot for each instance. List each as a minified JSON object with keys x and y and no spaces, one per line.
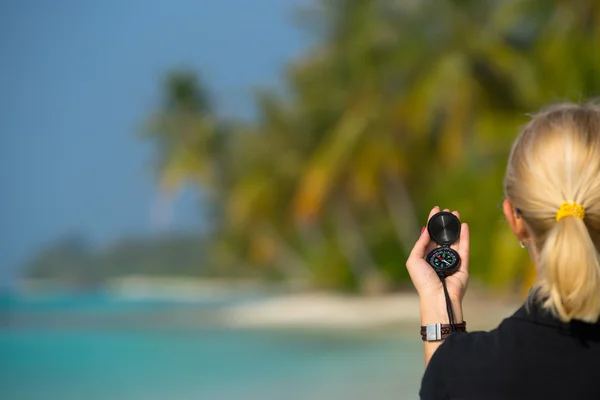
{"x":468,"y":343}
{"x":438,"y":377}
{"x":472,"y":346}
{"x":461,"y":358}
{"x":464,"y":345}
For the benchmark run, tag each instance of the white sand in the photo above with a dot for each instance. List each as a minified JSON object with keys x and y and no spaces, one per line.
{"x":322,"y":310}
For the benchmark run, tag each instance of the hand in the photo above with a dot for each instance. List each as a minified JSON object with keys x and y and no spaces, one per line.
{"x":427,"y":282}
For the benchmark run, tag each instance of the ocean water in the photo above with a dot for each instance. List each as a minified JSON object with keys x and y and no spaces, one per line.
{"x":95,"y":347}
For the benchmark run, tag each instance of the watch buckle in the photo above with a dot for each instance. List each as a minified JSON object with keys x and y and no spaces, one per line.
{"x":433,"y":332}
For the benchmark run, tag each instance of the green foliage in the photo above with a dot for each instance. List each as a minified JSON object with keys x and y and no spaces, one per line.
{"x":72,"y":262}
{"x":399,"y":107}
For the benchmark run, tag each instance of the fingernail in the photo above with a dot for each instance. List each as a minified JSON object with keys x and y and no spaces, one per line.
{"x":422,"y":230}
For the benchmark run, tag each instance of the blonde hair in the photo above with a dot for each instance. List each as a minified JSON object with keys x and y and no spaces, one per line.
{"x":556,"y":159}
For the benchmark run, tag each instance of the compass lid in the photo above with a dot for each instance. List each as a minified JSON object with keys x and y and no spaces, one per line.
{"x":444,"y":228}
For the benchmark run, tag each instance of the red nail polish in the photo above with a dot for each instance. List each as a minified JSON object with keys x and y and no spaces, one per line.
{"x":422,"y":230}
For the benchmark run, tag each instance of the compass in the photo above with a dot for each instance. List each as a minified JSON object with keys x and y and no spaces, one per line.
{"x":444,"y":229}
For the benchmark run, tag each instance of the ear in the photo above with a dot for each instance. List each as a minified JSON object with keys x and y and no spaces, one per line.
{"x":515,"y":221}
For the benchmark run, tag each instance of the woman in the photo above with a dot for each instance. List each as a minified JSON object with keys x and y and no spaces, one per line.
{"x":550,"y":348}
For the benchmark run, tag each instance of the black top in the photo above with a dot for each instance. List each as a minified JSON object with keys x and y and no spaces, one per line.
{"x":531,"y":355}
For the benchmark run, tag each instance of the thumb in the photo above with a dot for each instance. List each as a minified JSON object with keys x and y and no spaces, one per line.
{"x":420,"y":247}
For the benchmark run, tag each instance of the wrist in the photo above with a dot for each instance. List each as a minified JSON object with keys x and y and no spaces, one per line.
{"x":433,"y":311}
{"x":439,"y":332}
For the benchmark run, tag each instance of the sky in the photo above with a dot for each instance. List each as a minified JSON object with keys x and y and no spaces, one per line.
{"x":77,"y":79}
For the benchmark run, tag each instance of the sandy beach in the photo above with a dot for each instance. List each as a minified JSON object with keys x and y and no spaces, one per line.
{"x":293,"y":307}
{"x":332,"y":311}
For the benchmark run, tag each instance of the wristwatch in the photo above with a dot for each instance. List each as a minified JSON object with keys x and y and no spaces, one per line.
{"x":436,"y":332}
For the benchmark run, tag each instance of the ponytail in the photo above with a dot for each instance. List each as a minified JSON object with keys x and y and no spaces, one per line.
{"x":570,"y":265}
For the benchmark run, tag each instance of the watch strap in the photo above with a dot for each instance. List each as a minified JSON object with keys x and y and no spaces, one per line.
{"x":435,"y":332}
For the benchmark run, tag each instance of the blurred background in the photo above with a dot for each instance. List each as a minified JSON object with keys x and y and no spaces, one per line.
{"x":215,"y":200}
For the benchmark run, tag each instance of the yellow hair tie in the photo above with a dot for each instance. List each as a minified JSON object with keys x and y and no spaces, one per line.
{"x":570,"y":209}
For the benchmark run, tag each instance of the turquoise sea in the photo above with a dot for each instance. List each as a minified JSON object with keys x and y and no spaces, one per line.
{"x":71,"y":347}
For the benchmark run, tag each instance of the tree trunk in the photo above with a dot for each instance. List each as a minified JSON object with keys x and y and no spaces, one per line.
{"x":356,"y":250}
{"x":290,"y":260}
{"x":402,"y":212}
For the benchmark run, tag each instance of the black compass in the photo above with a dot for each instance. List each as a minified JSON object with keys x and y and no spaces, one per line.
{"x":444,"y":229}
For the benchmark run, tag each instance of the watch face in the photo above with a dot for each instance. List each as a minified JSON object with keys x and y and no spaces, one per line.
{"x":444,"y":260}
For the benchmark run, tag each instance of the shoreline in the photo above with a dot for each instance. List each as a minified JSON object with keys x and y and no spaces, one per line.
{"x":331,"y":311}
{"x":252,"y":305}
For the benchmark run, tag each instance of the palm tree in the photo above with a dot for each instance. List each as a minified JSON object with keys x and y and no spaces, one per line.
{"x":401,"y":105}
{"x":190,"y":140}
{"x":264,"y":164}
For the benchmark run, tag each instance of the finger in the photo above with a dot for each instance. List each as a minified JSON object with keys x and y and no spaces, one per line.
{"x":420,"y":248}
{"x":433,"y":211}
{"x":431,"y":244}
{"x":463,"y":250}
{"x":456,"y":245}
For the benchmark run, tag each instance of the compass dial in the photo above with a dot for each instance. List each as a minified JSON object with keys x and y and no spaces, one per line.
{"x":444,"y":260}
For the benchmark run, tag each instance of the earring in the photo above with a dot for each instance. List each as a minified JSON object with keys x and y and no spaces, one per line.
{"x":522,"y":245}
